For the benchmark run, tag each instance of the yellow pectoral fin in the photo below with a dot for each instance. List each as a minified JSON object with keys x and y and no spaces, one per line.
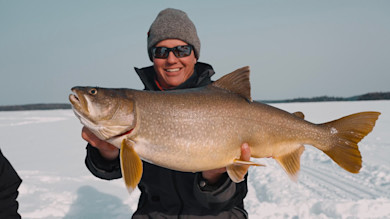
{"x":131,"y":165}
{"x":239,"y":168}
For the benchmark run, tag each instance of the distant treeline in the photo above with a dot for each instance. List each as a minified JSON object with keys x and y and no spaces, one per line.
{"x":368,"y":96}
{"x":40,"y":106}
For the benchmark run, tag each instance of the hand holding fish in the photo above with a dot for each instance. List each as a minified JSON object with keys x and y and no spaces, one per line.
{"x":212,"y":176}
{"x":107,"y":150}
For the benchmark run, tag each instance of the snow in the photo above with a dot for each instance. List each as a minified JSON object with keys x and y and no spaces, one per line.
{"x":46,"y":149}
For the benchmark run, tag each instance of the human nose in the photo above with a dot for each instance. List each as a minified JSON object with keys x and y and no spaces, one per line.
{"x":171,"y":57}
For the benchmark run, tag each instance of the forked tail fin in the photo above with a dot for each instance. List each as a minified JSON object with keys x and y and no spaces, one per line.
{"x":348,"y":132}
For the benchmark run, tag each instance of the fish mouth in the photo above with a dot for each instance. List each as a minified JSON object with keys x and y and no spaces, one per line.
{"x":76,"y":104}
{"x":80,"y":109}
{"x":74,"y":100}
{"x":77,"y":101}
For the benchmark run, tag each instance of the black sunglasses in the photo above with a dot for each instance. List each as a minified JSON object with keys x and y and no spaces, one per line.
{"x":178,"y":51}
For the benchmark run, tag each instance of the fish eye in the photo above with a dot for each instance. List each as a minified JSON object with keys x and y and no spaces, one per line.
{"x":93,"y":91}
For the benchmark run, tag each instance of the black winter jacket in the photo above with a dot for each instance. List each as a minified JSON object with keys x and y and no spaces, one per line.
{"x":9,"y":184}
{"x":167,"y":193}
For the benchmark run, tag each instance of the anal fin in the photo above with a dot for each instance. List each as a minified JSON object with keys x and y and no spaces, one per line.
{"x":131,"y":165}
{"x":291,"y":162}
{"x":239,"y":168}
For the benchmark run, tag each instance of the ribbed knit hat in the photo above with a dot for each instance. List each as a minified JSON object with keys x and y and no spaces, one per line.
{"x":173,"y":24}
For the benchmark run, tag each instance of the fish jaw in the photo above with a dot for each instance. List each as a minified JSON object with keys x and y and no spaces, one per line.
{"x":78,"y":101}
{"x":102,"y":112}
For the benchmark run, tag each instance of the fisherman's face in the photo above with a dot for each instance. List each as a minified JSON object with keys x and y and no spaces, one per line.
{"x":173,"y":71}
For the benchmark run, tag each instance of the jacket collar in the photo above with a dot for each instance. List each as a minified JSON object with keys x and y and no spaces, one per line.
{"x":201,"y":77}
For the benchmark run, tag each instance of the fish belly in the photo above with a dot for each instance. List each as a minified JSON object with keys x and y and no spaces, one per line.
{"x":187,"y":145}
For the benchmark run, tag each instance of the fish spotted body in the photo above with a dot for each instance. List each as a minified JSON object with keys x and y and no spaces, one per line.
{"x":203,"y":128}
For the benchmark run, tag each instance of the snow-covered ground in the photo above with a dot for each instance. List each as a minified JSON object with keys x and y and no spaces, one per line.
{"x":47,"y":151}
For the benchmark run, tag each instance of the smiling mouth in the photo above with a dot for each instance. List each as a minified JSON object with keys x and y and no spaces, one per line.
{"x":173,"y":70}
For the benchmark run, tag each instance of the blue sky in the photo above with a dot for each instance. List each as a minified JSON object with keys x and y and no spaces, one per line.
{"x":294,"y":48}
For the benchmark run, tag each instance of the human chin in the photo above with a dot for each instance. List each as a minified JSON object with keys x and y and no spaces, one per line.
{"x":175,"y":81}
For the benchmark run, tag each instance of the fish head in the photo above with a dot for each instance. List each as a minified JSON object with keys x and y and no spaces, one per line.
{"x":108,"y":113}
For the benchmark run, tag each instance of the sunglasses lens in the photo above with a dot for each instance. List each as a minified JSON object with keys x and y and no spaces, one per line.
{"x":179,"y":51}
{"x":160,"y":52}
{"x":182,"y":51}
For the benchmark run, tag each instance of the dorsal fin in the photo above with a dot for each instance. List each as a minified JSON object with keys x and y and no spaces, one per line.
{"x":237,"y":82}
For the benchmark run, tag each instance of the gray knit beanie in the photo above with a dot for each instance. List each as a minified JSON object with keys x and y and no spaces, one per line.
{"x":173,"y":24}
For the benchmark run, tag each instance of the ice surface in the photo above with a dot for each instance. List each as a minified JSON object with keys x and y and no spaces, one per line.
{"x":46,"y":149}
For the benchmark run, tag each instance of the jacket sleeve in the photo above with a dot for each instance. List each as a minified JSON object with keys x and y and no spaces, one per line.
{"x":224,"y":195}
{"x":100,"y":167}
{"x":9,"y":184}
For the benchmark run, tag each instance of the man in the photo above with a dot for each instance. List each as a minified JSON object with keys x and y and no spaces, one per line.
{"x":9,"y":184}
{"x":173,"y":47}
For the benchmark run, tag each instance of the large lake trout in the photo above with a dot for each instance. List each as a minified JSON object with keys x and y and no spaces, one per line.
{"x":203,"y":128}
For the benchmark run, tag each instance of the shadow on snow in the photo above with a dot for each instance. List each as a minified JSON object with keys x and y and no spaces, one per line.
{"x":91,"y":203}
